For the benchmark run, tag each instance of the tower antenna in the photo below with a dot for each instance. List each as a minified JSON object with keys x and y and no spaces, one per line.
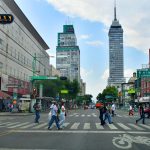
{"x":115,"y":18}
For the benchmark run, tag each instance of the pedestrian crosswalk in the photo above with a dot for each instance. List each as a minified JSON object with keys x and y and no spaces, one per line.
{"x":96,"y":115}
{"x":76,"y":126}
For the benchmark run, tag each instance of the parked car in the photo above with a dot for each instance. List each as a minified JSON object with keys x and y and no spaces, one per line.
{"x":147,"y":112}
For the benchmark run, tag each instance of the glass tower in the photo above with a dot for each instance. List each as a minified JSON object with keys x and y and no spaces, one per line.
{"x":116,"y":65}
{"x":68,"y":54}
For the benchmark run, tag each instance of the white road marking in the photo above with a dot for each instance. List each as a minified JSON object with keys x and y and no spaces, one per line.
{"x":4,"y":123}
{"x":27,"y":126}
{"x":13,"y":123}
{"x":40,"y":125}
{"x":123,"y":126}
{"x":111,"y":126}
{"x":135,"y":126}
{"x":119,"y":116}
{"x":98,"y":126}
{"x":66,"y":124}
{"x":18,"y":125}
{"x":75,"y":126}
{"x":89,"y":115}
{"x":79,"y":131}
{"x":23,"y":149}
{"x":94,"y":115}
{"x":76,"y":115}
{"x":83,"y":115}
{"x":145,"y":126}
{"x":86,"y":126}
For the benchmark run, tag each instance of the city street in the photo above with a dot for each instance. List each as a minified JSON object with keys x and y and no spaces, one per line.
{"x":82,"y":132}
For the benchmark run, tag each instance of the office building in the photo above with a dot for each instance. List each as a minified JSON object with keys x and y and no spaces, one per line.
{"x":22,"y":51}
{"x":68,"y":54}
{"x":116,"y":61}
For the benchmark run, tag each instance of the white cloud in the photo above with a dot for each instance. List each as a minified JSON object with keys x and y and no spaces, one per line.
{"x":134,"y":16}
{"x":105,"y":75}
{"x":94,"y":43}
{"x":84,"y":37}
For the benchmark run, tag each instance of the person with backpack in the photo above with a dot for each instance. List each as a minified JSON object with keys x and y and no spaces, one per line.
{"x":37,"y":109}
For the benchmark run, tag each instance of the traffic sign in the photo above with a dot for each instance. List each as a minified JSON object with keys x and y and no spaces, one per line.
{"x":64,"y":91}
{"x":43,"y":78}
{"x":143,"y":73}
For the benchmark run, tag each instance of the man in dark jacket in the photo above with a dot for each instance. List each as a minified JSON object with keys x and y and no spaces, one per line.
{"x":102,"y":111}
{"x":142,"y":114}
{"x":37,"y":112}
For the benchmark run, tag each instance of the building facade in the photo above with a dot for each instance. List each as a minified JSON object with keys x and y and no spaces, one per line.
{"x":68,"y":54}
{"x":22,"y":51}
{"x":54,"y":71}
{"x":116,"y":62}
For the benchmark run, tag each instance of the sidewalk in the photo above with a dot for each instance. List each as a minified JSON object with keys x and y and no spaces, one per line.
{"x":15,"y":114}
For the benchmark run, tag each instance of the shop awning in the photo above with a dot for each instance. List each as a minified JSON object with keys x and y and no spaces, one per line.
{"x":4,"y":95}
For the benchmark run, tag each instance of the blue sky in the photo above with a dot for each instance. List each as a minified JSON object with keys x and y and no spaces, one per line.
{"x":91,"y":20}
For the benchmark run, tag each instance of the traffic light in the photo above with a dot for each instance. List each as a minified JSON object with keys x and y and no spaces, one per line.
{"x":63,"y":78}
{"x":34,"y":91}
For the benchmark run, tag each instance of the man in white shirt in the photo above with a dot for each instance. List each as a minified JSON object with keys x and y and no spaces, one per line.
{"x":54,"y":110}
{"x":113,"y":108}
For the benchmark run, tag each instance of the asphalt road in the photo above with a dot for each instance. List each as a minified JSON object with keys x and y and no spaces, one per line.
{"x":82,"y":132}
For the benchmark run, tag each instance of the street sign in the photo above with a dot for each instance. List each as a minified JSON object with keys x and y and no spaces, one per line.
{"x":143,"y":73}
{"x":43,"y":78}
{"x":131,"y":91}
{"x":64,"y":91}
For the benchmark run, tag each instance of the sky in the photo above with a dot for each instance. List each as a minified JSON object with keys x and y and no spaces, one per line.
{"x":92,"y":20}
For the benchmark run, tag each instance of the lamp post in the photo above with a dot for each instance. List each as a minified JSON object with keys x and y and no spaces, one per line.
{"x":35,"y":71}
{"x":1,"y":66}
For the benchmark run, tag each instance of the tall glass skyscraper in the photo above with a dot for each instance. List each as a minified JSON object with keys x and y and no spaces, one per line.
{"x":116,"y":63}
{"x":68,"y":54}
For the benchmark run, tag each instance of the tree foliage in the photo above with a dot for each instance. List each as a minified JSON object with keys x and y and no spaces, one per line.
{"x":109,"y":94}
{"x":52,"y":88}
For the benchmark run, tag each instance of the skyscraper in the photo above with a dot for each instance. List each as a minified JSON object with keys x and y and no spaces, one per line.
{"x":68,"y":54}
{"x":116,"y":63}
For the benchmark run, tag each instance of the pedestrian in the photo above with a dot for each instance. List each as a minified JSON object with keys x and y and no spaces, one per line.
{"x":107,"y":115}
{"x":54,"y":117}
{"x":130,"y":110}
{"x":37,"y":109}
{"x":101,"y":110}
{"x":142,"y":114}
{"x":62,"y":115}
{"x":113,"y":108}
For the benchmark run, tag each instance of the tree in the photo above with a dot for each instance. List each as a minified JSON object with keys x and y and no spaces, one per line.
{"x":109,"y":94}
{"x":100,"y":97}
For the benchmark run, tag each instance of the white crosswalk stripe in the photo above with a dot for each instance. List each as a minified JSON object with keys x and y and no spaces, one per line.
{"x":12,"y":123}
{"x":145,"y":126}
{"x":123,"y":126}
{"x":135,"y":126}
{"x":18,"y":125}
{"x":83,"y":115}
{"x":40,"y":125}
{"x":86,"y":126}
{"x":66,"y":124}
{"x":89,"y":115}
{"x":4,"y":123}
{"x":111,"y":126}
{"x":75,"y":126}
{"x":27,"y":126}
{"x":98,"y":126}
